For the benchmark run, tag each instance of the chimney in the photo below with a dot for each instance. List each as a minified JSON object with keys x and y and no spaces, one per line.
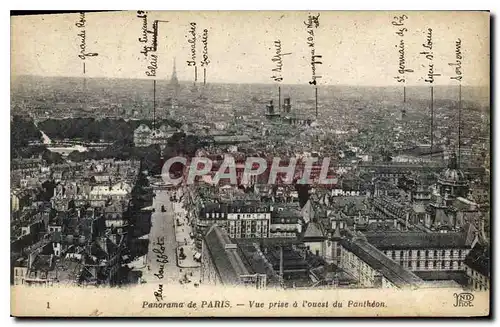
{"x":31,"y":258}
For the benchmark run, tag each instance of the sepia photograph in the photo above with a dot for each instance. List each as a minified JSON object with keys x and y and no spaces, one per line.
{"x":250,"y":164}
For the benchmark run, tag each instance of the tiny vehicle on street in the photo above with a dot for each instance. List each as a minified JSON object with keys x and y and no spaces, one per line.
{"x":163,"y":208}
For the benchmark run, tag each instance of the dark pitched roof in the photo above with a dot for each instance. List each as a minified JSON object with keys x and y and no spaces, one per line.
{"x":458,"y":276}
{"x":292,"y":260}
{"x":97,"y":251}
{"x":224,"y":256}
{"x":381,"y":263}
{"x":383,"y":226}
{"x":56,"y":237}
{"x":417,"y":240}
{"x":479,"y":259}
{"x":257,"y":261}
{"x":43,"y":262}
{"x":314,"y":231}
{"x":103,"y":247}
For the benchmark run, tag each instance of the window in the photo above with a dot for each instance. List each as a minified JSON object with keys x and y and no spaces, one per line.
{"x":442,"y":264}
{"x":410,"y":253}
{"x":434,"y":264}
{"x":460,"y":253}
{"x":426,"y":264}
{"x":410,"y":264}
{"x":393,"y":255}
{"x":442,"y":253}
{"x":418,"y":264}
{"x":418,"y":254}
{"x":401,"y":254}
{"x":426,"y":253}
{"x":435,"y":253}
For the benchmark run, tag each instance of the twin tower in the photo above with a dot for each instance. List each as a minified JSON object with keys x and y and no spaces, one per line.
{"x":287,"y":108}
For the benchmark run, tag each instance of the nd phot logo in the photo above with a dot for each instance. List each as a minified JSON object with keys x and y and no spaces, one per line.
{"x":463,"y":299}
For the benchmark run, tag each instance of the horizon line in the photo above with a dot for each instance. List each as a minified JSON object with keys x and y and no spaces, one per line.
{"x":250,"y":83}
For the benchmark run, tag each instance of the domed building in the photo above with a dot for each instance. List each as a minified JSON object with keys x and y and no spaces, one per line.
{"x":145,"y":136}
{"x":441,"y":214}
{"x":452,"y":182}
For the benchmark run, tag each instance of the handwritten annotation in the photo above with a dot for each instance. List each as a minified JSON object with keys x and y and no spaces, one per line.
{"x":81,"y":24}
{"x":278,"y":60}
{"x":312,"y":23}
{"x":399,"y":23}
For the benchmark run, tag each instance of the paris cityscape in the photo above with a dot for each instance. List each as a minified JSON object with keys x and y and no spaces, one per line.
{"x":278,"y":185}
{"x":403,"y":207}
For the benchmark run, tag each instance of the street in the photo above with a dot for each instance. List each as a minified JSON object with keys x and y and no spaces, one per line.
{"x":161,"y":264}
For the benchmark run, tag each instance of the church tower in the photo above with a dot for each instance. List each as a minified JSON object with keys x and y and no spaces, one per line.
{"x":440,"y":213}
{"x":452,"y":182}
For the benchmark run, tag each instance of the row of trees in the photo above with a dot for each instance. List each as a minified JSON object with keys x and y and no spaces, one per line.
{"x":22,"y":131}
{"x":93,"y":130}
{"x":178,"y":144}
{"x":36,"y":151}
{"x":119,"y":131}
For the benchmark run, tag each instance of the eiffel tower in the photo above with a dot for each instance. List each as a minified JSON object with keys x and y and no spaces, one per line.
{"x":174,"y":89}
{"x":173,"y":79}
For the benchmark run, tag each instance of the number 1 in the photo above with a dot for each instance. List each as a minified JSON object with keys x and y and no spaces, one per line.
{"x":48,"y":305}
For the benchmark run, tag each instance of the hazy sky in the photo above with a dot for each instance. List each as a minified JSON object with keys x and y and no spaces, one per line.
{"x":357,"y":48}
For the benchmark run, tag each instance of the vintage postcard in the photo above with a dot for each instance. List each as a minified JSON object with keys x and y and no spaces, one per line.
{"x":257,"y":164}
